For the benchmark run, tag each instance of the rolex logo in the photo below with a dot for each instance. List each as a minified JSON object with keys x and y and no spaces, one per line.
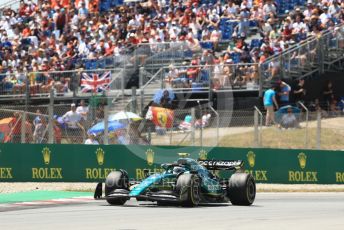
{"x":46,"y":155}
{"x":203,"y":155}
{"x":150,"y":157}
{"x":100,"y":156}
{"x":251,"y":158}
{"x":302,"y":160}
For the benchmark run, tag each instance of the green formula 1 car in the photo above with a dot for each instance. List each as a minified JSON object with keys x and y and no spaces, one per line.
{"x":186,"y":182}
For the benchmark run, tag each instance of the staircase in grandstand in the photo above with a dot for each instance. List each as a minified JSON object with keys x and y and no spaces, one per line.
{"x":312,"y":57}
{"x":13,"y":4}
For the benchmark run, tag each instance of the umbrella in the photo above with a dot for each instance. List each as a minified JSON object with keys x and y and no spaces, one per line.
{"x":160,"y":93}
{"x":112,"y":126}
{"x":124,"y":116}
{"x":284,"y":109}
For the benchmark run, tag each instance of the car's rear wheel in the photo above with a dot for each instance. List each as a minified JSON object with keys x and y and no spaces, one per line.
{"x":241,"y":189}
{"x":188,"y":189}
{"x":116,"y":180}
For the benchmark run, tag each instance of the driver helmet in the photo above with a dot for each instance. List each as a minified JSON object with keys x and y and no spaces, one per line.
{"x":177,"y":170}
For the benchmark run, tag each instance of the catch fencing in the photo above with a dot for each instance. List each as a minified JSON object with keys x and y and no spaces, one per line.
{"x":198,"y":126}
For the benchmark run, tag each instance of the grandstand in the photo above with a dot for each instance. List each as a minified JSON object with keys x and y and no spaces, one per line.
{"x":63,"y":51}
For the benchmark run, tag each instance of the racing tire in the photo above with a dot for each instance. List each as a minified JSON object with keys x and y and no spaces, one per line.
{"x":241,"y":189}
{"x":116,"y":180}
{"x":188,"y":189}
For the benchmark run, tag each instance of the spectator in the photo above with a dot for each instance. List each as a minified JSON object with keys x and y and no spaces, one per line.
{"x":62,"y":33}
{"x":57,"y":131}
{"x":39,"y":130}
{"x":165,"y":100}
{"x":82,"y":109}
{"x":328,"y":93}
{"x":284,"y":93}
{"x":186,"y":124}
{"x":15,"y":126}
{"x":204,"y":121}
{"x":334,"y":109}
{"x":74,"y":127}
{"x":91,"y":139}
{"x":269,"y":101}
{"x":38,"y":117}
{"x":122,"y":137}
{"x":300,"y":91}
{"x":193,"y":72}
{"x":172,"y":74}
{"x":289,"y":120}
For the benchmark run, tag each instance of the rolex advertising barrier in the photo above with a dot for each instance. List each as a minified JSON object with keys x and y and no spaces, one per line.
{"x":91,"y":163}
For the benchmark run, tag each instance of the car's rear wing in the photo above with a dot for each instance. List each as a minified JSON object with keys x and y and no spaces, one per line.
{"x":222,"y":164}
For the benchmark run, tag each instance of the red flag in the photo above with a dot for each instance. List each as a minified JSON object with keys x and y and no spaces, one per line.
{"x":161,"y":116}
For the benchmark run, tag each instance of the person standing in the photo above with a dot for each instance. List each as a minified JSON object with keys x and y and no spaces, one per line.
{"x":284,"y":93}
{"x":300,"y":91}
{"x":269,"y":101}
{"x":39,"y":132}
{"x":57,"y":131}
{"x":74,"y":127}
{"x":83,"y":110}
{"x":16,"y":128}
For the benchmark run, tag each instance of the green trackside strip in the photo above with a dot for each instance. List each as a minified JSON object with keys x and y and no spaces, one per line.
{"x":39,"y":195}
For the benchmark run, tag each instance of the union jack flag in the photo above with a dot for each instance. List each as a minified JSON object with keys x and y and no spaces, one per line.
{"x":94,"y":83}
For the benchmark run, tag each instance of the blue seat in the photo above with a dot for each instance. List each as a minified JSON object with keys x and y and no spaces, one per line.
{"x":90,"y":64}
{"x":101,"y":64}
{"x":227,"y":35}
{"x":188,"y":54}
{"x":196,"y":86}
{"x":204,"y":75}
{"x":109,"y":62}
{"x":256,"y":43}
{"x":297,"y":38}
{"x":26,"y":42}
{"x":236,"y":57}
{"x":253,"y":23}
{"x":104,"y":6}
{"x":8,"y":87}
{"x":207,"y":45}
{"x":47,"y":33}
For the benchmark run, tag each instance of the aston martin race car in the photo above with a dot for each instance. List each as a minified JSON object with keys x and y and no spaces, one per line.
{"x":186,"y":182}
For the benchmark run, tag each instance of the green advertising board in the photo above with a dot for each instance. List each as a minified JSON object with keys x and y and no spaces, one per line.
{"x":91,"y":163}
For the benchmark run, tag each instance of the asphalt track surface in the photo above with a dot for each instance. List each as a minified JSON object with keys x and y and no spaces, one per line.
{"x":270,"y":211}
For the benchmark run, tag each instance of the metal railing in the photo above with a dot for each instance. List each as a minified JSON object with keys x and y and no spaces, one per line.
{"x":307,"y":57}
{"x":63,"y":83}
{"x":12,"y":4}
{"x":200,"y":125}
{"x":314,"y":55}
{"x":160,"y":53}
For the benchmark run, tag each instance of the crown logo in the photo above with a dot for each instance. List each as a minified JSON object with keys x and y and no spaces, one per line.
{"x":302,"y":160}
{"x":150,"y":157}
{"x":46,"y":155}
{"x":251,"y":158}
{"x":100,"y":156}
{"x":203,"y":155}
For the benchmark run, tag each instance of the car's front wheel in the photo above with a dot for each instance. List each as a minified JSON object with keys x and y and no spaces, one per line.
{"x":116,"y":180}
{"x":241,"y":189}
{"x":188,"y":189}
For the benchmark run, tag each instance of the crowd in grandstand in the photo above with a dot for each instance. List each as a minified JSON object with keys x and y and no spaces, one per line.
{"x":53,"y":35}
